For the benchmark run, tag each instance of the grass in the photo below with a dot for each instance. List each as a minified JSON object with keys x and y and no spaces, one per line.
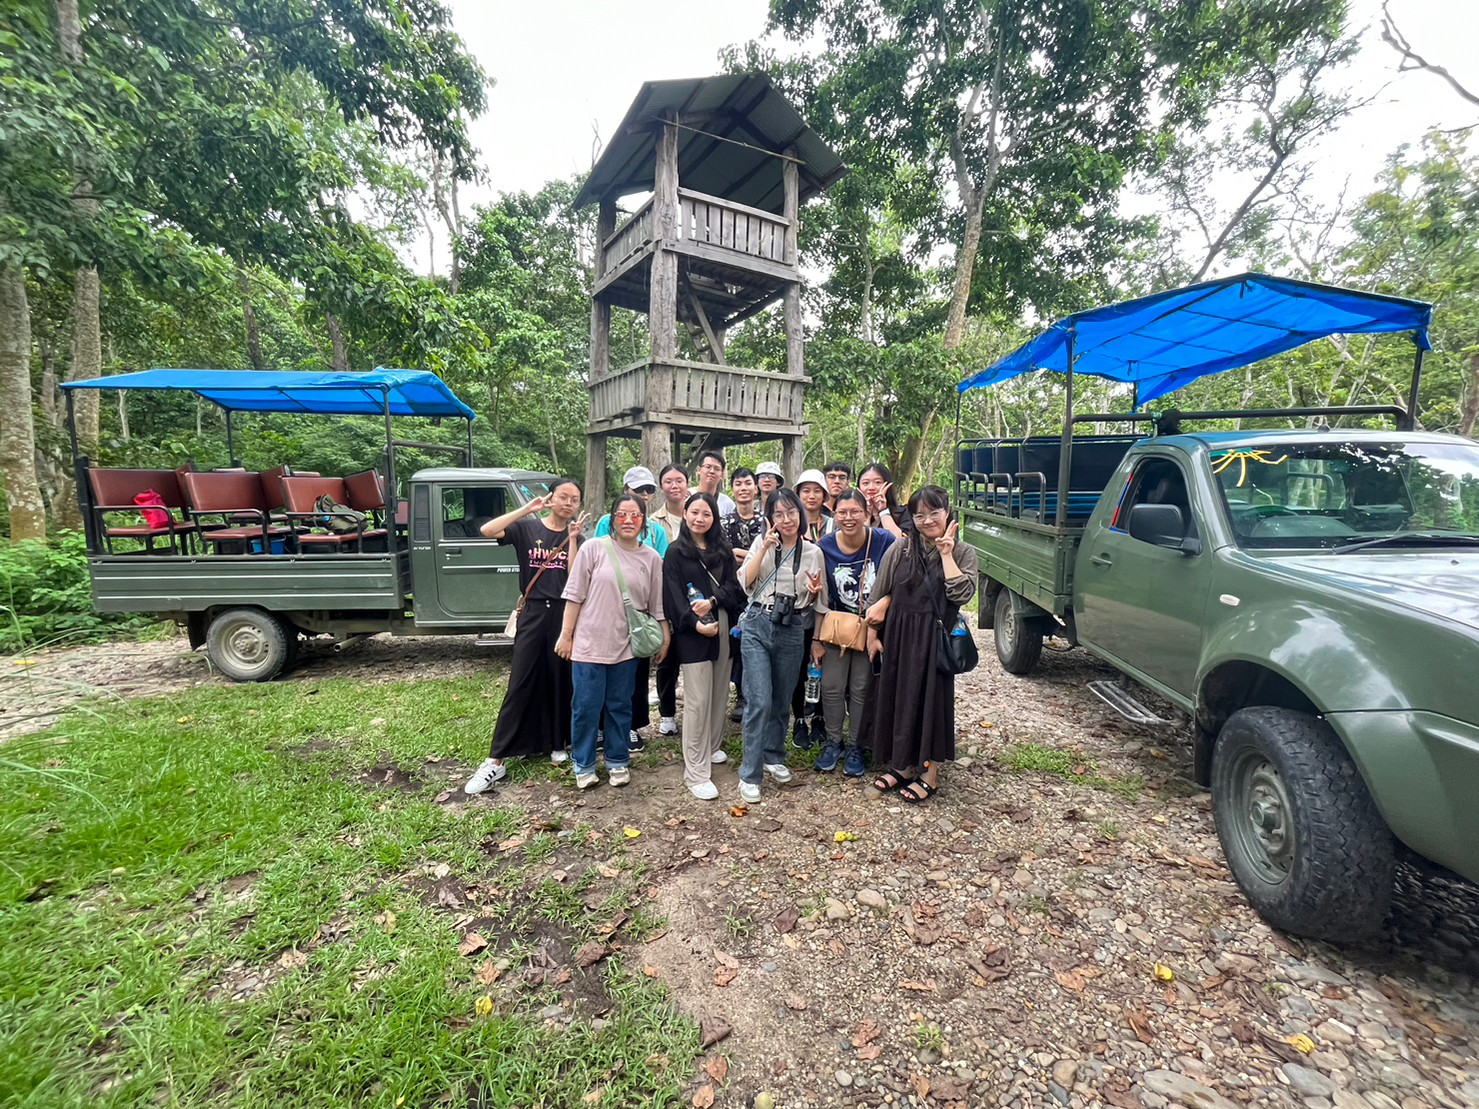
{"x":156,"y":855}
{"x":1024,"y":757}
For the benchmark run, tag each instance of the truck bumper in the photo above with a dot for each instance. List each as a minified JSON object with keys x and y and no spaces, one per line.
{"x":1423,"y":771}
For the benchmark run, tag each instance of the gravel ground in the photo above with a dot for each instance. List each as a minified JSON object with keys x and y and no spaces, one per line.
{"x":1024,"y":939}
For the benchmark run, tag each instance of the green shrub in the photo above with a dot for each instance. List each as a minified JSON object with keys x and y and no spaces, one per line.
{"x":45,"y":596}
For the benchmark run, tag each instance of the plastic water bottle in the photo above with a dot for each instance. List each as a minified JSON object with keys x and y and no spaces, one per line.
{"x":961,"y":627}
{"x":693,"y":596}
{"x":813,"y":686}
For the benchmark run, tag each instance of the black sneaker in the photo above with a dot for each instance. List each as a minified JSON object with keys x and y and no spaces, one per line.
{"x":801,"y":735}
{"x":737,"y":714}
{"x":635,"y":743}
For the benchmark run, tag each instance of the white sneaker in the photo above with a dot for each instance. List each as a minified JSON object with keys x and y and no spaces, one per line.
{"x":718,"y":757}
{"x":652,"y":697}
{"x":585,"y":781}
{"x":704,"y":791}
{"x":557,"y":757}
{"x":749,"y":794}
{"x":669,"y":726}
{"x":620,"y":776}
{"x":485,"y":775}
{"x":779,"y":771}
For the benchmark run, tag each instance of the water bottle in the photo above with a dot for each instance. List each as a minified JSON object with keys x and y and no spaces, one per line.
{"x":694,"y":596}
{"x":813,"y":686}
{"x":961,"y":627}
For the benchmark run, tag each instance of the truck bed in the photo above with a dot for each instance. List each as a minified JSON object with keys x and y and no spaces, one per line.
{"x":279,"y":583}
{"x":1032,"y":560}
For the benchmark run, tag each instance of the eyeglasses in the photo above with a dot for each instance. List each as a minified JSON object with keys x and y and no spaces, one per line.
{"x":937,"y":514}
{"x":785,"y":514}
{"x":626,"y":516}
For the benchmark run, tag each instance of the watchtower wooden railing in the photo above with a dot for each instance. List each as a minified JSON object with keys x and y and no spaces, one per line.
{"x":698,"y":394}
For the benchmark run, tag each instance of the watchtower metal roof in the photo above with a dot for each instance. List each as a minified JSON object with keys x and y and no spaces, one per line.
{"x":744,"y":108}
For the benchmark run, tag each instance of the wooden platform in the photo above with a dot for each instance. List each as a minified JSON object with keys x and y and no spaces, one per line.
{"x":736,"y":404}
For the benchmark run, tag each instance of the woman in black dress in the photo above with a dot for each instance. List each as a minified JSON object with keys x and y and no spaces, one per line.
{"x":535,"y":716}
{"x":923,"y":583}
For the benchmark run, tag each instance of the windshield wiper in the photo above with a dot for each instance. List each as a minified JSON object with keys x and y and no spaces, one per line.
{"x":1416,"y":538}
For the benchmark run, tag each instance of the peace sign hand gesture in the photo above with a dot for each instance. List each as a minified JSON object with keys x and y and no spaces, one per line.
{"x":577,"y":525}
{"x":538,"y":504}
{"x":946,"y":543}
{"x":814,"y":581}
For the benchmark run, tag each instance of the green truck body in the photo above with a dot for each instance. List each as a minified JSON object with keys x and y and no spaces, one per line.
{"x":1289,"y":601}
{"x":438,"y":576}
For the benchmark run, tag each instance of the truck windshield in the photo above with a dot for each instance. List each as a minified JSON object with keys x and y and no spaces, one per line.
{"x":1336,"y":494}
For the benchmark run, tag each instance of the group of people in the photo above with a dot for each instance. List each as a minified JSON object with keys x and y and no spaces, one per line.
{"x":822,"y":601}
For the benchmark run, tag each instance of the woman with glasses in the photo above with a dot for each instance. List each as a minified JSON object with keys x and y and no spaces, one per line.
{"x":925,"y":580}
{"x":853,"y":554}
{"x":596,"y":641}
{"x":702,"y":597}
{"x":783,"y":577}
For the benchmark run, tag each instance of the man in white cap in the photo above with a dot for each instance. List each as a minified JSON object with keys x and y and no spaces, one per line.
{"x":769,"y":478}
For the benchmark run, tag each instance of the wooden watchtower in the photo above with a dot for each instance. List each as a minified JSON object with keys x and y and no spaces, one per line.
{"x":728,"y":163}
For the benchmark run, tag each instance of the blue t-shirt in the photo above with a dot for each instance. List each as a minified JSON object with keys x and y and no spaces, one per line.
{"x":850,"y":576}
{"x":655,"y":535}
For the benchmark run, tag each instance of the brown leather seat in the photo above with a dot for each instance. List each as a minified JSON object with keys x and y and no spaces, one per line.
{"x":114,"y":490}
{"x":234,"y":496}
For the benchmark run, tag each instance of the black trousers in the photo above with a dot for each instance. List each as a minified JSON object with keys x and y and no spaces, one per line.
{"x":535,"y":716}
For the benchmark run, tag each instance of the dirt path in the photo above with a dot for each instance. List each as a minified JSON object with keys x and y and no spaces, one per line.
{"x":1025,"y":939}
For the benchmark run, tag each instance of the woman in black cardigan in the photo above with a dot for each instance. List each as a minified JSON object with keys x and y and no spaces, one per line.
{"x":701,"y":558}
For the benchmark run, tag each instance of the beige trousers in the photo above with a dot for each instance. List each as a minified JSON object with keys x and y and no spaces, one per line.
{"x":705,"y":708}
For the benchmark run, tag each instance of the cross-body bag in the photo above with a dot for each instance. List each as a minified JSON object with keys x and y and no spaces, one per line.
{"x":512,"y":627}
{"x":955,"y":649}
{"x":849,"y":630}
{"x":643,"y":632}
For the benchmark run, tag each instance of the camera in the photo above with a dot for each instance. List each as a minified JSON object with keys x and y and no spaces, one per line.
{"x":785,"y":609}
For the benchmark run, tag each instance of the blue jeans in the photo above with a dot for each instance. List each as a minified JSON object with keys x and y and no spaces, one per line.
{"x":601,"y":689}
{"x":772,"y":654}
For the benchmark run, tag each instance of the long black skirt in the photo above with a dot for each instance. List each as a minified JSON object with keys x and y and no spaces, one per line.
{"x":535,"y":717}
{"x":910,"y":714}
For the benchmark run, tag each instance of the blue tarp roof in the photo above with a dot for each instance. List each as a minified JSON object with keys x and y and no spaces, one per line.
{"x":412,"y":392}
{"x":1167,"y":339}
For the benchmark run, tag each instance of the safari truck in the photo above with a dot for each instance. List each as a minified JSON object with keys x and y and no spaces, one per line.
{"x":1307,"y":597}
{"x":251,"y":562}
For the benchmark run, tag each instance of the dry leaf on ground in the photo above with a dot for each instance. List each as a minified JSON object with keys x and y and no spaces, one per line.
{"x":592,"y":952}
{"x":724,"y":959}
{"x":703,"y":1097}
{"x":866,"y":1033}
{"x":1139,"y":1023}
{"x":713,"y":1029}
{"x":724,"y":975}
{"x":471,"y":944}
{"x":717,"y":1067}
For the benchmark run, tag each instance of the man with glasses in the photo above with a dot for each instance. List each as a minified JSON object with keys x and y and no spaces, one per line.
{"x":769,"y":478}
{"x":711,"y":480}
{"x":839,"y":478}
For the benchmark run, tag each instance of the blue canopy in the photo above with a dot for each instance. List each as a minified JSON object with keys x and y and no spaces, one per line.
{"x":1163,"y":341}
{"x":411,"y":392}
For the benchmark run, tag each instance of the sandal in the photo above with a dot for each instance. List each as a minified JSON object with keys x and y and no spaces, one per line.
{"x":914,"y":798}
{"x":889,"y":781}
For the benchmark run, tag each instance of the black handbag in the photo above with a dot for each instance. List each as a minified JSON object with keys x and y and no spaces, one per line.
{"x":954,"y":653}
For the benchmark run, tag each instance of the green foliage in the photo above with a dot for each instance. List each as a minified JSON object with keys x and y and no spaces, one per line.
{"x":45,"y":597}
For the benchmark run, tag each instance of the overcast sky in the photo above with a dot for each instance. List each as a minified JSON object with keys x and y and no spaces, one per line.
{"x":566,"y":70}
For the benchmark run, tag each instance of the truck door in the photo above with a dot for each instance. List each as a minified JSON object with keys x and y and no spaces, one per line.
{"x":1139,"y":603}
{"x":475,"y":577}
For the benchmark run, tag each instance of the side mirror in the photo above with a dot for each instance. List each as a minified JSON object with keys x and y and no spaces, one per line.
{"x":1162,"y":525}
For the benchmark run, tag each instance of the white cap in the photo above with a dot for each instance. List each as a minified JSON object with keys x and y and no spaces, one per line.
{"x":639,"y":476}
{"x":772,"y":468}
{"x":813,"y":476}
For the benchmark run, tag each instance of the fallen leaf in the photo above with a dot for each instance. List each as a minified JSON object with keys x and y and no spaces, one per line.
{"x":712,"y":1029}
{"x":717,"y":1067}
{"x":291,"y":959}
{"x":1205,"y":864}
{"x":24,"y":661}
{"x":703,"y":1097}
{"x":786,"y":919}
{"x":1164,"y":973}
{"x":844,"y":837}
{"x":795,"y":1001}
{"x":768,"y":825}
{"x":869,"y":1053}
{"x":386,"y":920}
{"x":738,"y":810}
{"x":724,"y":959}
{"x":866,"y":1033}
{"x":649,"y":970}
{"x":927,"y":986}
{"x":921,"y":1086}
{"x":591,"y":952}
{"x":630,"y":832}
{"x":1302,"y":1042}
{"x":593,"y":1096}
{"x":178,"y":719}
{"x":1117,"y":1092}
{"x":837,"y":947}
{"x":607,"y":871}
{"x":443,"y":796}
{"x":1140,"y":1024}
{"x":471,"y":944}
{"x":1077,"y":978}
{"x":491,"y":970}
{"x":483,"y":1006}
{"x":724,"y":975}
{"x":511,"y":843}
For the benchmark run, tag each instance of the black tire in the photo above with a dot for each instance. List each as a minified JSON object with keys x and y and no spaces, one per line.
{"x":1018,"y":639}
{"x":1301,"y":834}
{"x":247,"y":644}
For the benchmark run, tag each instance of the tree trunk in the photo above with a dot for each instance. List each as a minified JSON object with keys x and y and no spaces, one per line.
{"x":336,"y":339}
{"x":965,"y":267}
{"x":87,"y":356}
{"x":17,"y":427}
{"x":1468,"y":412}
{"x":249,"y":318}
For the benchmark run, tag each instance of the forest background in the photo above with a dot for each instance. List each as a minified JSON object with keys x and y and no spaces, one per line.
{"x":238,"y":183}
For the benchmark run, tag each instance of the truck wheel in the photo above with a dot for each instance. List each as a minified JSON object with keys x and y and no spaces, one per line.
{"x":247,"y":644}
{"x":1302,"y":836}
{"x":1018,"y":638}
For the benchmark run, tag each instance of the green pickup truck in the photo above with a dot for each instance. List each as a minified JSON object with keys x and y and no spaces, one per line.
{"x":1307,"y":597}
{"x":248,"y":563}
